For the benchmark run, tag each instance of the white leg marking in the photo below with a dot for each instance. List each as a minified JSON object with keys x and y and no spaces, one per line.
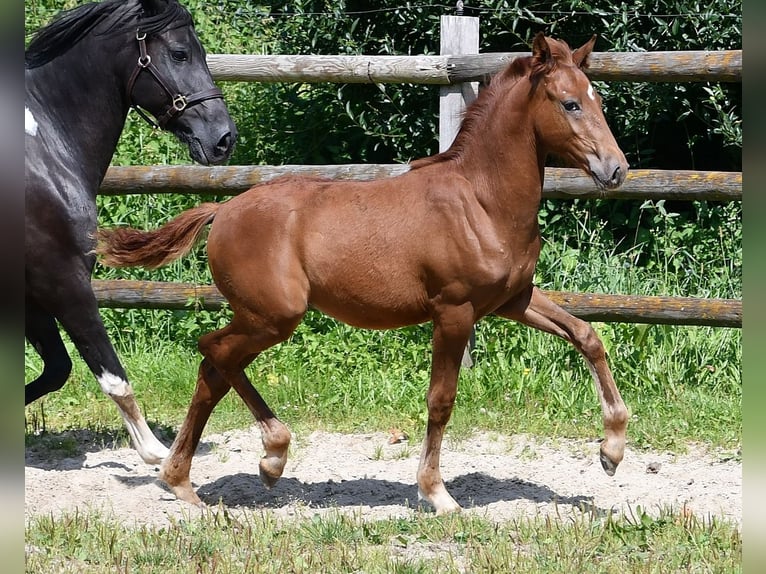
{"x":114,"y":385}
{"x":30,"y":125}
{"x":151,"y":450}
{"x":591,"y":95}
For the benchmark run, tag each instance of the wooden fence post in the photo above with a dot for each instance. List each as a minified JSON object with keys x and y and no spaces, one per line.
{"x":459,"y":36}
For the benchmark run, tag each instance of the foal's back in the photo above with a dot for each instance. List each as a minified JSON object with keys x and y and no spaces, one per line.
{"x":373,"y":254}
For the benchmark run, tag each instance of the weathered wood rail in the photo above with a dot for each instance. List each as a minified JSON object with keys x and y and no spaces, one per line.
{"x":688,"y":66}
{"x":560,"y":183}
{"x":124,"y":293}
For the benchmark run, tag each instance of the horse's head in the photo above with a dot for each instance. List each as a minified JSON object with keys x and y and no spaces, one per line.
{"x":172,"y":82}
{"x":570,"y":122}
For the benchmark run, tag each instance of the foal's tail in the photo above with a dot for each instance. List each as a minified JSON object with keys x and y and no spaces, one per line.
{"x":128,"y":247}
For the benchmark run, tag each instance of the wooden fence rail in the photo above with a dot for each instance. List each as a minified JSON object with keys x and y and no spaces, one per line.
{"x":684,"y":66}
{"x":559,"y":182}
{"x":124,"y":293}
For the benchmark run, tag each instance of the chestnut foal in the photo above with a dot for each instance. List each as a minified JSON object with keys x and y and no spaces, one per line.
{"x":453,"y":239}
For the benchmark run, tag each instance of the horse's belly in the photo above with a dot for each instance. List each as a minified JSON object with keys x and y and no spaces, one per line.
{"x":371,"y":308}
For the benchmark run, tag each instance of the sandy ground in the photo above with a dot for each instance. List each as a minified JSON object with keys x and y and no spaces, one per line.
{"x":500,"y":477}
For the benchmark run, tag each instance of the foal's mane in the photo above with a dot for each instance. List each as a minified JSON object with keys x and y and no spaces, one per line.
{"x":110,"y":16}
{"x":476,"y":114}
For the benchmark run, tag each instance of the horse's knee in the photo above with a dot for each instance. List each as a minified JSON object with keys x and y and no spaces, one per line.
{"x":588,"y":342}
{"x":440,"y":406}
{"x":114,"y":386}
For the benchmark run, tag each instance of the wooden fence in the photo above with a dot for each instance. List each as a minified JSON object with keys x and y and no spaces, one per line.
{"x":457,"y":71}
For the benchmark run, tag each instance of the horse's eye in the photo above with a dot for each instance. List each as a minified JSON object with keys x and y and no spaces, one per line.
{"x":180,"y":55}
{"x":571,"y":106}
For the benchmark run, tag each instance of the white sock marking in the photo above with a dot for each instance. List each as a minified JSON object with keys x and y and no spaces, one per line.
{"x":30,"y":125}
{"x":149,"y":448}
{"x":114,"y":385}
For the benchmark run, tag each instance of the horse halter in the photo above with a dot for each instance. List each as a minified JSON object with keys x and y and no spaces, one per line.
{"x":178,"y":102}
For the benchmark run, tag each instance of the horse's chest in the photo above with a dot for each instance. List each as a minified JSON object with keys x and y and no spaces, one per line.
{"x":507,"y":267}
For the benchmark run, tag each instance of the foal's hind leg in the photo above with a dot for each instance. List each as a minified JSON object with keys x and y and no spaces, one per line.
{"x":452,"y":329}
{"x":536,"y":310}
{"x":227,"y":352}
{"x":211,"y":388}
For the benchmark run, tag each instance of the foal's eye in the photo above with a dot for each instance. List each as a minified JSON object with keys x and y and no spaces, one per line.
{"x":571,"y":106}
{"x":179,"y":55}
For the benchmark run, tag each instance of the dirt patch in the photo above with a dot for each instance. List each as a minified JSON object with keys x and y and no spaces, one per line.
{"x":500,"y":477}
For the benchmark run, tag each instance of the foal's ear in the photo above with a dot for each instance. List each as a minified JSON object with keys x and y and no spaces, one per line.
{"x":541,"y":51}
{"x":580,"y":55}
{"x":153,"y":7}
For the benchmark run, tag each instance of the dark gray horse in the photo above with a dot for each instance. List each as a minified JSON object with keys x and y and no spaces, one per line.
{"x":84,"y":72}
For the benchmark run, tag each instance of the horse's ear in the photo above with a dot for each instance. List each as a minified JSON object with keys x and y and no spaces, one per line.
{"x":541,"y":51}
{"x":580,"y":55}
{"x":153,"y":7}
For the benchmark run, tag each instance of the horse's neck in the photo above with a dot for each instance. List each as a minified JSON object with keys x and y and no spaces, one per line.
{"x":503,"y":158}
{"x":86,"y":108}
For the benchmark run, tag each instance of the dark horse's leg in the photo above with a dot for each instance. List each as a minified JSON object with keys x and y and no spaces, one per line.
{"x":452,"y":329}
{"x":43,"y":334}
{"x":227,"y":352}
{"x":536,"y":310}
{"x":77,"y":312}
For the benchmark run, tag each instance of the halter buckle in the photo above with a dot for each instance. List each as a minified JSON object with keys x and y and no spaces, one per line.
{"x":179,"y":103}
{"x":144,"y":59}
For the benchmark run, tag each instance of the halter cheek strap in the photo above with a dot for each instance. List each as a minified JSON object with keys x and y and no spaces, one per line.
{"x":178,"y":101}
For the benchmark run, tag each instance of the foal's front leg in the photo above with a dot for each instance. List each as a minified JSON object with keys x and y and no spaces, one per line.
{"x":536,"y":310}
{"x":452,"y":329}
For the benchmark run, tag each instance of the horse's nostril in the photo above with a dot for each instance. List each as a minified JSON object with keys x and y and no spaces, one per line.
{"x":225,"y":142}
{"x":617,"y":175}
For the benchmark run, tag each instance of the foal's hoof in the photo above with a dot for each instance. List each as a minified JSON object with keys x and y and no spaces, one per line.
{"x":186,"y":493}
{"x":270,"y":471}
{"x":441,"y":500}
{"x":610,"y":466}
{"x":268,"y":481}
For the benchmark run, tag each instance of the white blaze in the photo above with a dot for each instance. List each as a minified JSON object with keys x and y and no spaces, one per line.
{"x":30,"y":125}
{"x":591,"y":95}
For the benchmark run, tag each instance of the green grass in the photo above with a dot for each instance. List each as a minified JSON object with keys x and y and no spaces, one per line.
{"x":223,"y":542}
